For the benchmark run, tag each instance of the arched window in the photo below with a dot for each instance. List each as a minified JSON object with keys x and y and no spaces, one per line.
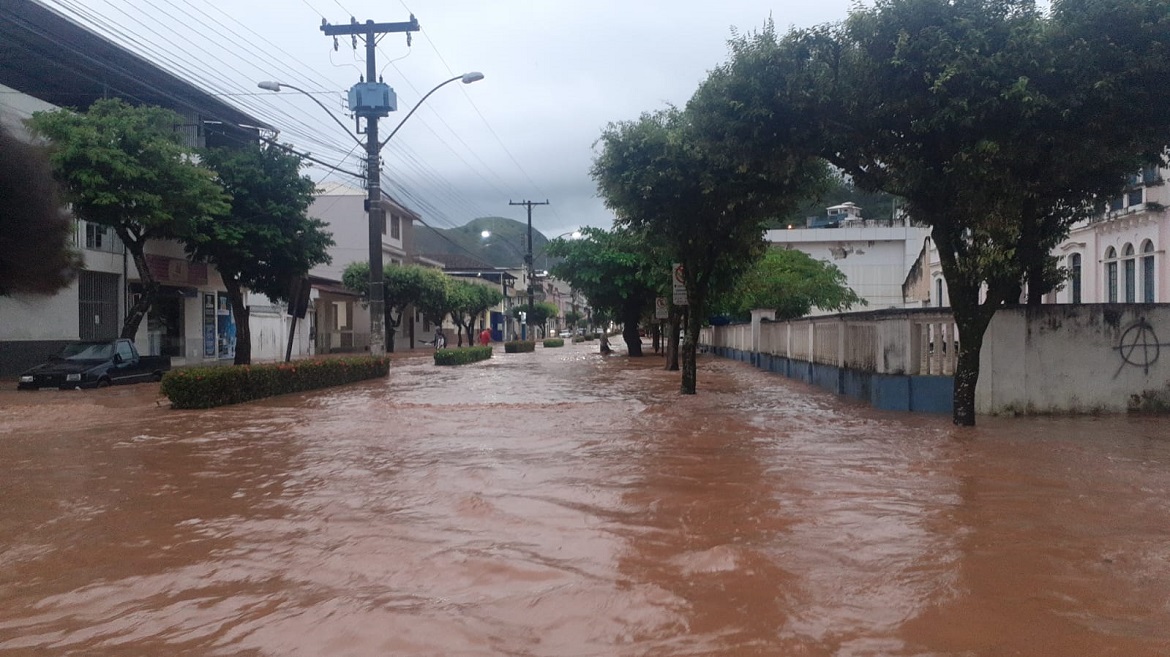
{"x":1111,"y":275}
{"x":1074,"y":267}
{"x":938,"y":292}
{"x":1148,"y":288}
{"x":1130,"y":265}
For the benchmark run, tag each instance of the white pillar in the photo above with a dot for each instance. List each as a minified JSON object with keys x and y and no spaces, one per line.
{"x":757,"y":317}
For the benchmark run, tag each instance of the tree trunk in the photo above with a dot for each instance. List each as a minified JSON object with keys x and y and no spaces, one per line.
{"x":690,"y":373}
{"x":972,"y":319}
{"x":240,"y":315}
{"x":136,"y":313}
{"x":1035,"y":273}
{"x":672,"y":342}
{"x":630,"y":316}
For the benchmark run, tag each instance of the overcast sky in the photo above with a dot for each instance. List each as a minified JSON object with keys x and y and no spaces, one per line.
{"x":557,"y":71}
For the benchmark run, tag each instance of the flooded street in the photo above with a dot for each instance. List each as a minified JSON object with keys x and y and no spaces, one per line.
{"x":565,"y":504}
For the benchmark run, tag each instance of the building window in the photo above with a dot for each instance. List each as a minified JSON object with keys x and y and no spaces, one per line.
{"x":382,"y":219}
{"x":1111,"y":275}
{"x":1148,"y":288}
{"x":342,"y":316}
{"x":938,"y":292}
{"x":1130,"y":274}
{"x":395,"y":227}
{"x":1135,"y":197}
{"x":100,"y":238}
{"x":1074,"y":266}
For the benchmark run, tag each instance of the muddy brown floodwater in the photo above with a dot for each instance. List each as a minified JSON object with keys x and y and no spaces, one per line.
{"x":565,"y":504}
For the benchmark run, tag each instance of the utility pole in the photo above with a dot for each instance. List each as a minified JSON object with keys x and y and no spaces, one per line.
{"x":372,"y":100}
{"x":528,"y":258}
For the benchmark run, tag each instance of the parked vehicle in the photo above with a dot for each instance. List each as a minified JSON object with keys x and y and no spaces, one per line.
{"x":566,"y":334}
{"x":94,"y":364}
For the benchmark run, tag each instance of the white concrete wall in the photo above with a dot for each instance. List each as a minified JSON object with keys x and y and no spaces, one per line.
{"x":1053,"y":359}
{"x":269,"y":323}
{"x":1069,"y":358}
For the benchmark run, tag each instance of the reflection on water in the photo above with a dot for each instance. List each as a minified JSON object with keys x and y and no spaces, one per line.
{"x":561,"y":503}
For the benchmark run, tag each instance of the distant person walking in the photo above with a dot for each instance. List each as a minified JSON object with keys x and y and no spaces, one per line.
{"x":485,"y":337}
{"x":440,"y":339}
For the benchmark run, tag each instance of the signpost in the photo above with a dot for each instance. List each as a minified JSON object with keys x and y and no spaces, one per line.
{"x":661,"y":308}
{"x":680,"y":288}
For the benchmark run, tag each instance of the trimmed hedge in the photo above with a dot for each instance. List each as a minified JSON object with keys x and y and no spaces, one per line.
{"x":519,"y":346}
{"x":462,"y":355}
{"x":207,"y":387}
{"x":583,"y":338}
{"x":554,"y":342}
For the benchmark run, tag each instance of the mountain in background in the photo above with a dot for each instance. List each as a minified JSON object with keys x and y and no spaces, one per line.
{"x":504,"y":248}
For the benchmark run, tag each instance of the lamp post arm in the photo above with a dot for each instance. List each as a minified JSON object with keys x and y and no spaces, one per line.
{"x":275,"y":86}
{"x":416,"y":106}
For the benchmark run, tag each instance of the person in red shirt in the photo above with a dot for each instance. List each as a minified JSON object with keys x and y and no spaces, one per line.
{"x":485,"y":337}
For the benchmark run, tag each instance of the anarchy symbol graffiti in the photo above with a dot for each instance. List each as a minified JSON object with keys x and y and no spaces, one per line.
{"x":1139,"y":346}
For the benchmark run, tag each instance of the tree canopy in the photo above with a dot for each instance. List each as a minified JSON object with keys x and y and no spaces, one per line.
{"x":619,"y":272}
{"x":668,"y":175}
{"x":403,"y":286}
{"x":470,"y":300}
{"x":997,"y":123}
{"x":127,"y":167}
{"x":267,"y":238}
{"x":792,"y":283}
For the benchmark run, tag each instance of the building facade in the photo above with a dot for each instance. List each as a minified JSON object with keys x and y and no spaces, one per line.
{"x":875,"y":256}
{"x":341,"y":319}
{"x":49,"y":62}
{"x":1116,"y":256}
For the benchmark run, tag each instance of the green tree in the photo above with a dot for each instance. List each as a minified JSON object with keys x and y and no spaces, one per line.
{"x":792,"y":283}
{"x":663,"y":175}
{"x":128,"y":168}
{"x":538,"y":315}
{"x":469,"y":302}
{"x":267,"y":238}
{"x":617,"y":271}
{"x":403,"y":286}
{"x":999,"y":125}
{"x":36,"y":232}
{"x":573,"y":318}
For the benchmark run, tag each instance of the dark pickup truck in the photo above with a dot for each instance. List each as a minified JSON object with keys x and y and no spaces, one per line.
{"x":94,"y":365}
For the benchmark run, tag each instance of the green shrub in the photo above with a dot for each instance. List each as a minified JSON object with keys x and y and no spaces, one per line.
{"x":519,"y":346}
{"x":207,"y":387}
{"x":462,"y":355}
{"x":554,"y":342}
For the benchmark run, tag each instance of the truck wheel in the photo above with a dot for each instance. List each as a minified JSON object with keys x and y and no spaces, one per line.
{"x":157,"y":376}
{"x":103,"y":382}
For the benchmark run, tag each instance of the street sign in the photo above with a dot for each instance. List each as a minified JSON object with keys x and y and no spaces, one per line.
{"x":680,"y":288}
{"x":661,"y":308}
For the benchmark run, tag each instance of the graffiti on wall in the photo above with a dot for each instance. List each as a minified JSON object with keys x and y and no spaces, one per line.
{"x":1139,"y":346}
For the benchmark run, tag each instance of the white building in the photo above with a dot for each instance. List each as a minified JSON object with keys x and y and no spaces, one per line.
{"x":875,"y":256}
{"x":341,"y":320}
{"x":191,"y":321}
{"x":1115,"y":257}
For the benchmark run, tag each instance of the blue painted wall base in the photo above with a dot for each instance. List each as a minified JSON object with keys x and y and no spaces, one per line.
{"x":891,"y":392}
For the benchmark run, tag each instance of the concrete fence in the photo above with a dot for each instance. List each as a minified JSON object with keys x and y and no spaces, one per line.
{"x":1052,"y":359}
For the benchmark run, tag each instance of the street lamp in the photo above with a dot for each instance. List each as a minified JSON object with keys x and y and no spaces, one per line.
{"x":372,"y":106}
